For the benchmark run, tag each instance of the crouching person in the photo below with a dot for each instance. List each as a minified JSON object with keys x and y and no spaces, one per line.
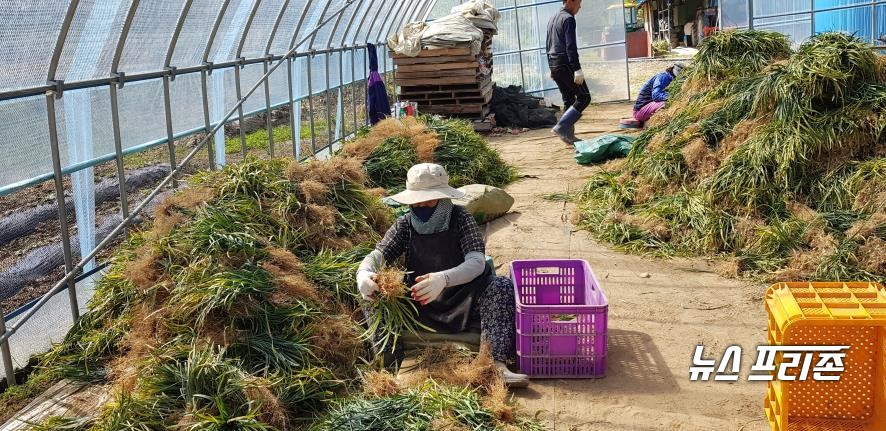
{"x":446,"y":265}
{"x":654,"y":93}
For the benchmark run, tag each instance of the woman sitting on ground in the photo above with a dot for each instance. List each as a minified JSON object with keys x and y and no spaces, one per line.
{"x":446,"y":267}
{"x":654,"y":93}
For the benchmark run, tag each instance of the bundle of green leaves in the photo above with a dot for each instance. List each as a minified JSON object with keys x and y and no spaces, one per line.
{"x":233,"y":311}
{"x":770,"y":158}
{"x":392,"y":146}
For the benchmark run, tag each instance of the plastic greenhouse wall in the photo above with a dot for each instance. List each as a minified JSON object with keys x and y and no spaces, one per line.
{"x":800,"y":19}
{"x":87,"y":82}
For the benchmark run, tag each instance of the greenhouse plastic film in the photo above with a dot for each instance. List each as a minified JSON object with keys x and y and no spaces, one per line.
{"x":24,"y":140}
{"x":230,"y":29}
{"x":27,"y":36}
{"x":262,"y":25}
{"x":195,"y":33}
{"x":92,"y":39}
{"x":149,"y":36}
{"x":288,"y":22}
{"x":49,"y":325}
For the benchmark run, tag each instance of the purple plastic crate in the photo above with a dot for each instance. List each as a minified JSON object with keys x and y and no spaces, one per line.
{"x":561,"y":319}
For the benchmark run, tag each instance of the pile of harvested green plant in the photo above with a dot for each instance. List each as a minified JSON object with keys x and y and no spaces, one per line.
{"x":391,"y":147}
{"x":774,"y":158}
{"x":447,"y":390}
{"x":237,"y":309}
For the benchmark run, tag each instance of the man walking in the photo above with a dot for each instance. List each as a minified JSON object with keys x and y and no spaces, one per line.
{"x":566,"y":69}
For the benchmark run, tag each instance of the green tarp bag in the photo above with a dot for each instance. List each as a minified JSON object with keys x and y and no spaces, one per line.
{"x":485,"y":203}
{"x":602,"y":148}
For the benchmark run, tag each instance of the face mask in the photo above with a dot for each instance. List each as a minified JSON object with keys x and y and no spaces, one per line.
{"x":423,"y":213}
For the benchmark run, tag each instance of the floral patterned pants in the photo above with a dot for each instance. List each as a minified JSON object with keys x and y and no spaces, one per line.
{"x":496,"y":311}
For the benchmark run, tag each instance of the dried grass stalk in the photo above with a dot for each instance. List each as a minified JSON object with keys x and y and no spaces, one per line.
{"x":380,"y":384}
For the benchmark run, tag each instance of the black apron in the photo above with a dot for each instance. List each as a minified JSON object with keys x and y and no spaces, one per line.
{"x":438,"y":252}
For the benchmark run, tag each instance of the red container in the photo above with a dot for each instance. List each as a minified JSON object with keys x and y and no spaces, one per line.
{"x":561,"y":319}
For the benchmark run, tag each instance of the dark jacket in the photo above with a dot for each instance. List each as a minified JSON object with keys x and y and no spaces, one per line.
{"x":378,"y":107}
{"x":561,"y":46}
{"x":654,"y":90}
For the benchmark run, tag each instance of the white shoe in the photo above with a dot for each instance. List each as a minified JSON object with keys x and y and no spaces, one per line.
{"x":512,"y":379}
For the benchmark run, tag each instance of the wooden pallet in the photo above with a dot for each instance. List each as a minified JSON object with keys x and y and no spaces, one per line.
{"x":441,"y":81}
{"x":437,"y":74}
{"x":473,"y":109}
{"x":428,"y":53}
{"x":412,"y":91}
{"x":437,"y":67}
{"x":447,"y":81}
{"x":434,"y":60}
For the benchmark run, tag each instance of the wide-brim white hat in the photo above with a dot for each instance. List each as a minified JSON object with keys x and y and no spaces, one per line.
{"x":426,"y":182}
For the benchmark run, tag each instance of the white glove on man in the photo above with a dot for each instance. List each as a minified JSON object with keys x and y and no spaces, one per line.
{"x":366,"y":284}
{"x":428,"y":287}
{"x":579,"y":77}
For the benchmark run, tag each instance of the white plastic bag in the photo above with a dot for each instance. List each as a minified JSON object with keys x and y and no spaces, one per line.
{"x":408,"y":41}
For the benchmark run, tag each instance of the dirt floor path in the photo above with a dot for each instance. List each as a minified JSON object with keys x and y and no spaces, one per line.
{"x":659,"y":309}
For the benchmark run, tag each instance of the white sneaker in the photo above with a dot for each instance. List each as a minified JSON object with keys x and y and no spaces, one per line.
{"x":512,"y":379}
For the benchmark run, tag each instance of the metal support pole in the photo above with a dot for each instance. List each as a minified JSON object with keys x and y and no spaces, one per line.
{"x":270,"y":120}
{"x":332,"y":33}
{"x":283,"y":8}
{"x":394,"y":78}
{"x":118,"y":152}
{"x":170,"y":140}
{"x":218,"y":19}
{"x":177,"y":32}
{"x":384,"y":67}
{"x":811,"y":16}
{"x":292,"y":129}
{"x":246,"y":28}
{"x":347,"y":31}
{"x":311,"y":106}
{"x":374,"y":20}
{"x":124,"y":33}
{"x":60,"y":41}
{"x":430,"y":9}
{"x":366,"y":88}
{"x":520,"y":43}
{"x":301,"y":21}
{"x":363,"y":21}
{"x":340,"y":113}
{"x":60,"y":200}
{"x":314,"y":36}
{"x":238,"y":91}
{"x":627,"y":60}
{"x":354,"y":85}
{"x":326,"y":99}
{"x":384,"y":24}
{"x":7,"y":355}
{"x":207,"y":127}
{"x":397,"y":23}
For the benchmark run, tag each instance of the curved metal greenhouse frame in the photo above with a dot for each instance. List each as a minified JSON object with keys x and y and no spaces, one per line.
{"x":91,"y":81}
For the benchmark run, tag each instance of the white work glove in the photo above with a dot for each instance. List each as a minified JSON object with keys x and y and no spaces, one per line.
{"x":429,"y":287}
{"x":579,"y":77}
{"x":366,"y":284}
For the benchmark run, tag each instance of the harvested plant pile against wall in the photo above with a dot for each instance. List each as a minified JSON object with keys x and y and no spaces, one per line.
{"x":236,"y":310}
{"x":388,"y":149}
{"x":772,"y":157}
